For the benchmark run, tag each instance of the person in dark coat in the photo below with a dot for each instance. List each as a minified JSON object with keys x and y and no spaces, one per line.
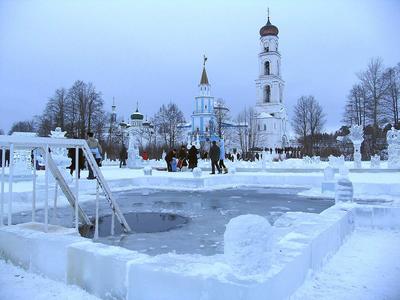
{"x":123,"y":156}
{"x":81,"y":163}
{"x":182,"y":157}
{"x":192,"y":156}
{"x":214,"y":157}
{"x":168,"y":158}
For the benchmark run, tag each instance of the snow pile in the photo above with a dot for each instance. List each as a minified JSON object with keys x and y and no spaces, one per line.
{"x":197,"y":172}
{"x":247,"y":244}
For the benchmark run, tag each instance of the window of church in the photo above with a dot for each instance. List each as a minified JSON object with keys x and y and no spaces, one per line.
{"x":258,"y":127}
{"x":265,"y":127}
{"x":206,"y":129}
{"x":266,"y":68}
{"x":267,"y":94}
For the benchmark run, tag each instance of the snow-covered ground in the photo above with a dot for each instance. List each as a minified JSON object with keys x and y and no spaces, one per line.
{"x":366,"y":267}
{"x":17,"y":284}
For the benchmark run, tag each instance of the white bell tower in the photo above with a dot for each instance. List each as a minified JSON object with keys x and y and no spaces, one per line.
{"x":270,"y":107}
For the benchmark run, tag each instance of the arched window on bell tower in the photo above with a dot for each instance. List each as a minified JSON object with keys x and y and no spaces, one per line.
{"x":266,"y":68}
{"x":267,"y":94}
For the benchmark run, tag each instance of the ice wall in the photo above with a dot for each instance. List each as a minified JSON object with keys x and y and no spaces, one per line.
{"x":301,"y":243}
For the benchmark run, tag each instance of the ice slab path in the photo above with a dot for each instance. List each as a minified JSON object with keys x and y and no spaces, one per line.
{"x":17,"y":284}
{"x":366,"y":267}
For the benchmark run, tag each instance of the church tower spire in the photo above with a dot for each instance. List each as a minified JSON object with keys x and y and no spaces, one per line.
{"x":204,"y":84}
{"x":270,"y":103}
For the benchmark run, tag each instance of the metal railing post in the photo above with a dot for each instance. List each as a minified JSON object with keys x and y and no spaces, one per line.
{"x":3,"y":163}
{"x":96,"y":228}
{"x":34,"y":187}
{"x":112,"y":222}
{"x":10,"y":183}
{"x":46,"y":199}
{"x":76,"y":188}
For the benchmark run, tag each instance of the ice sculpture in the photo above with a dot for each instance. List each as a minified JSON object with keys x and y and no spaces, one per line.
{"x":344,"y":187}
{"x":356,"y":135}
{"x":197,"y":172}
{"x":147,"y":170}
{"x":336,"y":162}
{"x":393,"y":140}
{"x":60,"y":155}
{"x":328,"y":184}
{"x":134,"y":160}
{"x":22,"y":158}
{"x":375,"y":162}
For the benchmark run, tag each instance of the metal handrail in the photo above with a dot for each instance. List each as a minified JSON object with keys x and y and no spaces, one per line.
{"x":44,"y":143}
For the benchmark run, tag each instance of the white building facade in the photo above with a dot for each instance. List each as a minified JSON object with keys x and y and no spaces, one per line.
{"x":270,"y":106}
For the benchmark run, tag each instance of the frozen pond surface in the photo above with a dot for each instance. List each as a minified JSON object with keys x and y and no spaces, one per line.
{"x":206,"y":213}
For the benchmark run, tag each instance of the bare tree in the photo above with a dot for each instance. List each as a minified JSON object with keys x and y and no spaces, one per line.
{"x":78,"y":110}
{"x":316,"y":118}
{"x":85,"y":110}
{"x":392,"y":99}
{"x":54,"y":114}
{"x":299,"y":121}
{"x":23,"y":126}
{"x":221,"y":116}
{"x":308,"y":121}
{"x":375,"y":86}
{"x":167,"y":120}
{"x":356,"y":105}
{"x":247,"y":129}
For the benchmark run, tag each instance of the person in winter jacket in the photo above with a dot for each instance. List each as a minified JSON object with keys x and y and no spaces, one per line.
{"x":168,"y":159}
{"x":182,"y":156}
{"x":96,"y":150}
{"x":192,"y":156}
{"x":81,"y":159}
{"x":123,"y":156}
{"x":214,"y":157}
{"x":222,"y":156}
{"x":145,"y":156}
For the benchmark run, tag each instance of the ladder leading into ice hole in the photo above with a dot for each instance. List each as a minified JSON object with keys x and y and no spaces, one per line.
{"x":44,"y":144}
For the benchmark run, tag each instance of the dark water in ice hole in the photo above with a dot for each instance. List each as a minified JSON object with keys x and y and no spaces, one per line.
{"x":185,"y":221}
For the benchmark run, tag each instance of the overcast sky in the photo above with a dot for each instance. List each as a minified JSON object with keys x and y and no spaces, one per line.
{"x":151,"y":51}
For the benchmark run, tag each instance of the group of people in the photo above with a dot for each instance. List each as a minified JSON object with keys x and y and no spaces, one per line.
{"x":183,"y":158}
{"x":189,"y":158}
